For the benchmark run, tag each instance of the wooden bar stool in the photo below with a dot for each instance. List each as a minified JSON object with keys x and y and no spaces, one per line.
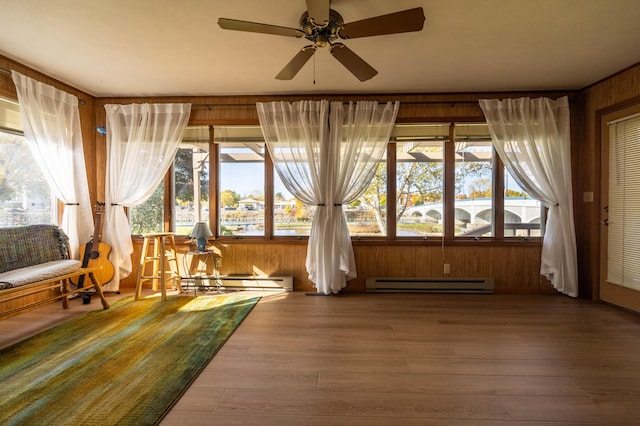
{"x":164,"y":263}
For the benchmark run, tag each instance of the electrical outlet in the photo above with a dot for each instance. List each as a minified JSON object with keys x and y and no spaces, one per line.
{"x":218,"y":262}
{"x":447,"y":268}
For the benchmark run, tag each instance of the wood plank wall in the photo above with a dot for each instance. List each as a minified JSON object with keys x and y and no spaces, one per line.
{"x":514,"y":266}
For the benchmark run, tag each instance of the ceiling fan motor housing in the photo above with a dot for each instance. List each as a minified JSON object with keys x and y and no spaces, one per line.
{"x":321,"y":35}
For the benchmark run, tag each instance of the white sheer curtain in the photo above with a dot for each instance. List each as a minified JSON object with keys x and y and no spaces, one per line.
{"x":327,"y":159}
{"x":51,"y":125}
{"x":142,"y":141}
{"x":532,"y":138}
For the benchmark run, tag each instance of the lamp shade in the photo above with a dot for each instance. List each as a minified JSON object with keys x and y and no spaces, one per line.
{"x":201,"y":230}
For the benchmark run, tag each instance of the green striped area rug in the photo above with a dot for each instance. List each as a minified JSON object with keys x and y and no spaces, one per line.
{"x":127,"y":365}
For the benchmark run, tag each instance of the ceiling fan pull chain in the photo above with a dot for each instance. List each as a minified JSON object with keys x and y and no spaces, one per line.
{"x":314,"y":69}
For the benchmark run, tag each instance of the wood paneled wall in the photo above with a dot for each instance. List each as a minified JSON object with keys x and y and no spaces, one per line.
{"x":514,"y":266}
{"x":218,"y":110}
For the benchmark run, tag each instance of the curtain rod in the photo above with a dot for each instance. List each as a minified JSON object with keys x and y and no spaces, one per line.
{"x":452,"y":103}
{"x":227,"y":105}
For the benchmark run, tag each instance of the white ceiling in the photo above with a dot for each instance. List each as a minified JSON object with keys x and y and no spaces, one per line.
{"x":169,"y":47}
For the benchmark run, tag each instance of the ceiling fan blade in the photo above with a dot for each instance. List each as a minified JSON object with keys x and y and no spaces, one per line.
{"x":399,"y":22}
{"x":256,"y":27}
{"x":319,"y":11}
{"x":291,"y":69}
{"x":354,"y":63}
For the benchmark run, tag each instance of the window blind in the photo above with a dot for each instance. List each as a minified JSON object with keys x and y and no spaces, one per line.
{"x":624,"y":203}
{"x":10,"y":116}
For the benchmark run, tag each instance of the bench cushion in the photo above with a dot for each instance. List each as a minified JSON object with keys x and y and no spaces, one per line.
{"x":24,"y":246}
{"x":43,"y":271}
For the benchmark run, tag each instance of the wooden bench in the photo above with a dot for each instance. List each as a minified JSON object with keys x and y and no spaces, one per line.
{"x":35,"y":269}
{"x":59,"y":286}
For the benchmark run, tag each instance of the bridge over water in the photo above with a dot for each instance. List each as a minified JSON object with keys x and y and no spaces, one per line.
{"x":478,"y":211}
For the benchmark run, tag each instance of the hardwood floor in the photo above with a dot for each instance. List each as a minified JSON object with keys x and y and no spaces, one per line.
{"x":415,"y":359}
{"x":33,"y":321}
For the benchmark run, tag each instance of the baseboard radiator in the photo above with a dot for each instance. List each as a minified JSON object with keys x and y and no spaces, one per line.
{"x":429,"y":285}
{"x":252,"y":282}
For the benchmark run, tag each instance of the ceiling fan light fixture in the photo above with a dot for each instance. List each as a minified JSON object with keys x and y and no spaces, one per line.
{"x":321,"y":40}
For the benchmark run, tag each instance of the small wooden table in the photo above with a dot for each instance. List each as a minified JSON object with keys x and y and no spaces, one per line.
{"x":203,"y":261}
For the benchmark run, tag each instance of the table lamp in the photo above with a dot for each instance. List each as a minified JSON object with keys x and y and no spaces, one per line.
{"x":200,"y":232}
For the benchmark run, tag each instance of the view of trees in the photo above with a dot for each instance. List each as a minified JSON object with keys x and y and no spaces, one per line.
{"x":418,"y":182}
{"x":148,"y":216}
{"x":25,"y":197}
{"x":229,"y":199}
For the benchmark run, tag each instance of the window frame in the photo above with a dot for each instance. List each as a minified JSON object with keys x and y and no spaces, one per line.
{"x":448,"y":237}
{"x":216,"y":170}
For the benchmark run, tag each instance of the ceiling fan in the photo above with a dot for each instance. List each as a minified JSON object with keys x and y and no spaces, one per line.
{"x":324,"y":26}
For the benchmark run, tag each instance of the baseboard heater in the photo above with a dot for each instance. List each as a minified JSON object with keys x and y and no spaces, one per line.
{"x":429,"y":285}
{"x":253,"y":282}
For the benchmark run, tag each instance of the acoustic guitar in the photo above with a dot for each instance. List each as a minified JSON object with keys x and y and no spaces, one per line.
{"x":96,"y":253}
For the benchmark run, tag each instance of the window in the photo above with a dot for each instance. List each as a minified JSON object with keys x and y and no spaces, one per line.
{"x":190,"y":196}
{"x":522,"y":214}
{"x":473,"y":181}
{"x":367,"y":216}
{"x":148,"y":216}
{"x":25,"y":196}
{"x":444,"y":179}
{"x":191,"y":177}
{"x":420,"y":179}
{"x":291,"y":217}
{"x":241,"y":180}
